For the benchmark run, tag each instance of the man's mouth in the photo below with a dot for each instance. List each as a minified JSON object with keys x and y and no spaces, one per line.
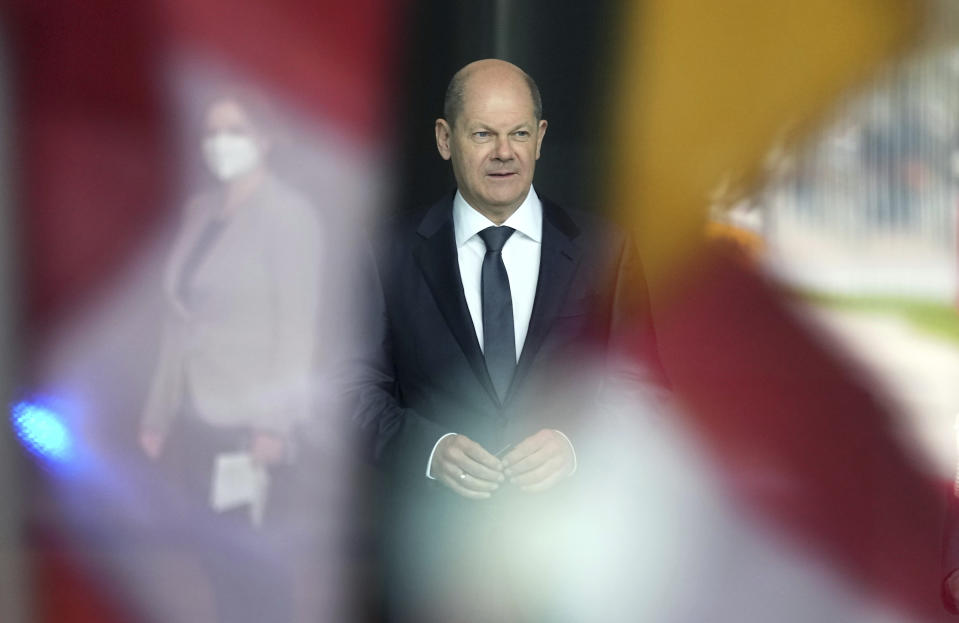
{"x":502,"y":174}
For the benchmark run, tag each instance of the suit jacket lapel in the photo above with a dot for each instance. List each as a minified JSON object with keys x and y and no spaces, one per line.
{"x":436,"y":257}
{"x":559,"y":258}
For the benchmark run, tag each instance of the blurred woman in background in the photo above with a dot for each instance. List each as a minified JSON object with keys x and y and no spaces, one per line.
{"x":233,"y":376}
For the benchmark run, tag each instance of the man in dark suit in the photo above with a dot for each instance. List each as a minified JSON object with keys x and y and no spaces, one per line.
{"x":500,"y":323}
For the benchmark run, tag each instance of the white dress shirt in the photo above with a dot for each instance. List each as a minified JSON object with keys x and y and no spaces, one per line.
{"x":521,"y":255}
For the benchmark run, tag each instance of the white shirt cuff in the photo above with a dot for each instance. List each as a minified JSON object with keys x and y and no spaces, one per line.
{"x":429,"y":463}
{"x":572,"y":448}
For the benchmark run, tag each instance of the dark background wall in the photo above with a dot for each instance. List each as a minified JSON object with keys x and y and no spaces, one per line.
{"x":565,"y":47}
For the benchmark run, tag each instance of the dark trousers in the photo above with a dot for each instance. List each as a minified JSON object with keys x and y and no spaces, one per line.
{"x":249,"y":571}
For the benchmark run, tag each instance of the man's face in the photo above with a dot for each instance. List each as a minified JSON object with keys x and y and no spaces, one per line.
{"x":494,"y":144}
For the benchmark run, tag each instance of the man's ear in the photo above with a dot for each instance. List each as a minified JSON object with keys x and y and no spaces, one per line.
{"x":443,"y":135}
{"x":541,"y":134}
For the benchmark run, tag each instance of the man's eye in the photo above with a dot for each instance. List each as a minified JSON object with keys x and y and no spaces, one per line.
{"x":481,"y":134}
{"x":522,"y":134}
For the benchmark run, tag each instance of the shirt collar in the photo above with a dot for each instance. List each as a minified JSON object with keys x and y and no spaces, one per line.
{"x":527,"y":219}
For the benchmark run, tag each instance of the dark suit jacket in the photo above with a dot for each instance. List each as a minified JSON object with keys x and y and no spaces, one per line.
{"x":422,"y":372}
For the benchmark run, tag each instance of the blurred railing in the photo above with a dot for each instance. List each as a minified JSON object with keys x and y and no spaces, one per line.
{"x":870,"y":207}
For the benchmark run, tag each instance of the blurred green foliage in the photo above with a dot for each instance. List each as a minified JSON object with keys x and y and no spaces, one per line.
{"x":934,"y":318}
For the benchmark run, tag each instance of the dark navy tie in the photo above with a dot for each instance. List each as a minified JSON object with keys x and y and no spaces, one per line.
{"x":499,"y":341}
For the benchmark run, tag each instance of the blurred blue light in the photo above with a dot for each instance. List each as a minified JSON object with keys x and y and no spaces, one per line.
{"x":42,"y":432}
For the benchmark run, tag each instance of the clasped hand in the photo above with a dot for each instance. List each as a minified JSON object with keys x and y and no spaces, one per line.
{"x":535,"y":464}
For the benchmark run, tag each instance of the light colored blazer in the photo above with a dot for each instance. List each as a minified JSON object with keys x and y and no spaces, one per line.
{"x":243,"y":349}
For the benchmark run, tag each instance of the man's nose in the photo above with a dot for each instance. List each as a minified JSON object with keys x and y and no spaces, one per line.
{"x":503,"y":149}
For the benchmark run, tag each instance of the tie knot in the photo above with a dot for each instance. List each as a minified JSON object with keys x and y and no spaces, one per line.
{"x":496,"y":237}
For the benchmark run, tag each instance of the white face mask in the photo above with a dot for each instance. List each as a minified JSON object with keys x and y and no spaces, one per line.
{"x":230,"y":154}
